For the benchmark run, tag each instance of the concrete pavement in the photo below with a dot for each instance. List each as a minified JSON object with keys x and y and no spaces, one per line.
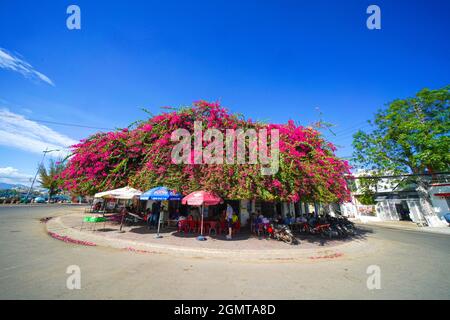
{"x":414,"y":265}
{"x":404,"y":225}
{"x":244,"y":245}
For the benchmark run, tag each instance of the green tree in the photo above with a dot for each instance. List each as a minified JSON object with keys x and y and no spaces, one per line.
{"x":48,"y":178}
{"x":409,"y":136}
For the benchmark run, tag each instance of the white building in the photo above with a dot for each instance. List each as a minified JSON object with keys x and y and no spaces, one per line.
{"x":440,"y":197}
{"x":395,"y":202}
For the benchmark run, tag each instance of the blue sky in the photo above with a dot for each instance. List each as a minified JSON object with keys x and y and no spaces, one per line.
{"x":270,"y":60}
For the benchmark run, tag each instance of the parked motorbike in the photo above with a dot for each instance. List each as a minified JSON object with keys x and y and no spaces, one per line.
{"x":330,"y":227}
{"x":316,"y":229}
{"x":342,"y":226}
{"x":281,"y":232}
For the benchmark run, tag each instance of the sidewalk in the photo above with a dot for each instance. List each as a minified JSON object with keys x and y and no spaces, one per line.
{"x":243,"y":247}
{"x":404,"y":225}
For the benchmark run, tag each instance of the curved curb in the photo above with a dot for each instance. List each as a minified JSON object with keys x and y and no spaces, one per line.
{"x":70,"y":240}
{"x":352,"y":249}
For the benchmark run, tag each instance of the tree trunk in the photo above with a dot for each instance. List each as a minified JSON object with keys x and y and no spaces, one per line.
{"x":425,"y":201}
{"x":50,"y":194}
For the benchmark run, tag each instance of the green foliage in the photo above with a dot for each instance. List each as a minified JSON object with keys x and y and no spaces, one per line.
{"x":9,"y":193}
{"x":49,"y":177}
{"x":410,"y":135}
{"x":367,"y":189}
{"x":366,"y":199}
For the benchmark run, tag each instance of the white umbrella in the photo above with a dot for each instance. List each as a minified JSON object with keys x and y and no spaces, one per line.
{"x":126,"y":193}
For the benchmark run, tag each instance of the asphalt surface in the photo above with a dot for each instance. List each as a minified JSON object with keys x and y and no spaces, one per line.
{"x":413,"y":265}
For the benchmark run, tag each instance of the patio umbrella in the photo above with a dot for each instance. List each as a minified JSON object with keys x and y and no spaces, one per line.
{"x":125,"y":193}
{"x":201,"y":198}
{"x":160,"y":194}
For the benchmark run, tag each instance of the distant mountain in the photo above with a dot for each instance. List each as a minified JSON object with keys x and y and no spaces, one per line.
{"x":12,"y":186}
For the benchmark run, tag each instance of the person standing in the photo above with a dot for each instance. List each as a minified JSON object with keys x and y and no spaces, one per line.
{"x":229,"y":218}
{"x":156,"y":208}
{"x":148,"y":217}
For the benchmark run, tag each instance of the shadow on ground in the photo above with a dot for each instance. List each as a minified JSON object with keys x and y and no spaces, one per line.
{"x":143,"y":229}
{"x":174,"y":232}
{"x":361,"y":234}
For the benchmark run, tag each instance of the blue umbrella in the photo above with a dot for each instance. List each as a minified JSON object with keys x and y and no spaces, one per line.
{"x":160,"y":194}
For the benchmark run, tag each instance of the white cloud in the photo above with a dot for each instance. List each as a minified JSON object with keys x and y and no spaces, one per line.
{"x":14,"y":176}
{"x":18,"y":132}
{"x":14,"y":63}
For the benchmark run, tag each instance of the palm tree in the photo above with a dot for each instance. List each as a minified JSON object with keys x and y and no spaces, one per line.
{"x":49,"y":177}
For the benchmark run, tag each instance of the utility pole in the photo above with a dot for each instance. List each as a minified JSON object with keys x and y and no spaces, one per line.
{"x":37,"y":172}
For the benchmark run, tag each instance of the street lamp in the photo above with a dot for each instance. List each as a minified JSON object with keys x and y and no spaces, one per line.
{"x":37,"y":172}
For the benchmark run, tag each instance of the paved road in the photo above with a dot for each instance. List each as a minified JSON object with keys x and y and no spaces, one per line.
{"x":33,"y":265}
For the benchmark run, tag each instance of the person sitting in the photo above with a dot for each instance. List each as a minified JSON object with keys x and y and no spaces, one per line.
{"x":287,"y":220}
{"x":278,"y":219}
{"x":175,"y":215}
{"x":195,"y":213}
{"x":253,"y":221}
{"x":97,"y":206}
{"x":260,"y":216}
{"x":312,"y":219}
{"x":235,"y":220}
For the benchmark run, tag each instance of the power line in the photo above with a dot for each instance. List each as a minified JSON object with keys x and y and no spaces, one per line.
{"x":400,"y":175}
{"x":355,"y":126}
{"x":337,"y":134}
{"x":61,"y":123}
{"x":346,"y":136}
{"x":71,"y":124}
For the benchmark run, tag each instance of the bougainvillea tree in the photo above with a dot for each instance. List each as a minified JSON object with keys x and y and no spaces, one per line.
{"x":141,"y":157}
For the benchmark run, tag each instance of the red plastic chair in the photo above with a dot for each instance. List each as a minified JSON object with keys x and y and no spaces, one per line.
{"x":205,"y":226}
{"x":222,"y":226}
{"x":236,"y":227}
{"x":183,"y":226}
{"x":192,"y":225}
{"x":260,"y":229}
{"x":213,"y":226}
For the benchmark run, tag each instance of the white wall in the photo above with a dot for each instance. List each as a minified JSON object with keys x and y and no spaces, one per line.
{"x":245,"y":215}
{"x":386,"y":210}
{"x":348,"y":209}
{"x":440,"y":204}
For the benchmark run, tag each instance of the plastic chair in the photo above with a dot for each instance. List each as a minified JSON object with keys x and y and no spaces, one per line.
{"x":260,"y":229}
{"x":192,"y":225}
{"x":236,"y":227}
{"x":221,"y":226}
{"x":183,"y":226}
{"x":213,"y":226}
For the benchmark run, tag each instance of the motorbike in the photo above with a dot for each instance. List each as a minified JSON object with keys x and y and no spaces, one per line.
{"x":281,"y":232}
{"x":342,"y":226}
{"x":318,"y":228}
{"x":330,"y":227}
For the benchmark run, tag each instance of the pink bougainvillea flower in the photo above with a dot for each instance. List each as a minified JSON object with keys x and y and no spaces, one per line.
{"x":141,"y":157}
